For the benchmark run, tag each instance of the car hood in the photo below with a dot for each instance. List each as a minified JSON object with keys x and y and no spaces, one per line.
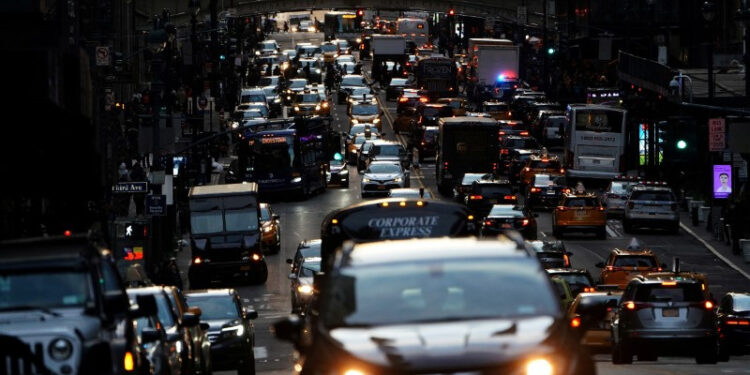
{"x":336,"y":169}
{"x":38,"y":323}
{"x":432,"y":346}
{"x":217,"y":325}
{"x":366,"y":118}
{"x":378,"y":176}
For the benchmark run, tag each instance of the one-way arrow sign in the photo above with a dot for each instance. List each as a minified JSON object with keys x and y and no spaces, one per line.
{"x":130,"y":187}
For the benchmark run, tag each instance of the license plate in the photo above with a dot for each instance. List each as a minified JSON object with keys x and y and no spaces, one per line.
{"x":244,"y":268}
{"x":550,"y":192}
{"x":670,"y":313}
{"x":505,"y":225}
{"x":580,"y":214}
{"x":492,"y":200}
{"x":381,"y":187}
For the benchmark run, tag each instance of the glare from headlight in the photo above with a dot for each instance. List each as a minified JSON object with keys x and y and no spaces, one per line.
{"x":317,"y":70}
{"x":296,"y":180}
{"x":359,"y":40}
{"x":235,"y":125}
{"x":277,"y":100}
{"x":305,"y":289}
{"x":354,"y":372}
{"x":355,"y":121}
{"x":317,"y":107}
{"x":365,"y":179}
{"x":60,"y":349}
{"x":267,"y":229}
{"x":296,"y":108}
{"x":344,"y":171}
{"x":377,"y":120}
{"x":397,"y":179}
{"x":539,"y":367}
{"x":239,"y":330}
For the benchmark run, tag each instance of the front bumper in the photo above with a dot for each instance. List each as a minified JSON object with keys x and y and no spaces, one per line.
{"x":380,"y":189}
{"x":227,"y":354}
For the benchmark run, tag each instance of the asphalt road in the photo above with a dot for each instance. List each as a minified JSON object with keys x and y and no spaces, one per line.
{"x":301,"y":220}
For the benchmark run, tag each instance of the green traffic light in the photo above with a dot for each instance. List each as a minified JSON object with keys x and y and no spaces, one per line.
{"x":681,"y":144}
{"x":550,"y":51}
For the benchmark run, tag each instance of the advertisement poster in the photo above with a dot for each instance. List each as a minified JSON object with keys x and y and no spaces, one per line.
{"x":722,"y":181}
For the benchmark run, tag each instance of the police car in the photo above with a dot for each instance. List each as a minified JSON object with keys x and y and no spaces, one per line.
{"x":651,"y":204}
{"x":616,"y":194}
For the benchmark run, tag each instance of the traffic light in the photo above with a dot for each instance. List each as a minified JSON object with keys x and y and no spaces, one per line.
{"x":551,"y":51}
{"x":451,"y":12}
{"x":678,"y":140}
{"x":360,"y":15}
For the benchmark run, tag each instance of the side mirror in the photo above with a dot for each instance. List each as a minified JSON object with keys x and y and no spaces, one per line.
{"x":116,"y":302}
{"x":146,"y":306}
{"x":288,"y":329}
{"x":292,"y":276}
{"x":149,"y":335}
{"x":190,"y":320}
{"x":204,"y":326}
{"x":249,"y":314}
{"x":289,"y":261}
{"x":599,"y":265}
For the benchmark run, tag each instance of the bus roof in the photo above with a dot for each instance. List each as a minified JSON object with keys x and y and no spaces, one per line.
{"x":595,"y":106}
{"x":465,"y":120}
{"x":205,"y":191}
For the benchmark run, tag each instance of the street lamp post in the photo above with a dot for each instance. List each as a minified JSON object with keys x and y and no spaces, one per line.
{"x":709,"y":12}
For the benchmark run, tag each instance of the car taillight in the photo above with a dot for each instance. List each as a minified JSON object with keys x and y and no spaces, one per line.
{"x":535,"y":190}
{"x":708,"y":305}
{"x":488,"y":222}
{"x":589,"y":289}
{"x":510,"y":197}
{"x":601,"y":208}
{"x":566,"y":191}
{"x":567,"y":264}
{"x":737,"y":322}
{"x":527,"y":169}
{"x":562,"y":208}
{"x":475,"y":197}
{"x":403,"y":99}
{"x":424,"y":99}
{"x":630,"y":305}
{"x":562,"y":170}
{"x":575,"y":322}
{"x":504,"y":151}
{"x":524,"y":222}
{"x":445,"y":165}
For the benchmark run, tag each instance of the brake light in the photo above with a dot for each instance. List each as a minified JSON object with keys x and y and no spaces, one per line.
{"x":668,"y":283}
{"x":488,"y":222}
{"x":256,"y":257}
{"x":408,"y":63}
{"x":128,"y":363}
{"x":524,"y":222}
{"x":575,"y":322}
{"x":67,"y":233}
{"x":504,"y":151}
{"x":630,"y":305}
{"x":494,"y":166}
{"x":562,"y":208}
{"x":601,"y":208}
{"x":527,"y":169}
{"x":535,"y":190}
{"x":524,"y":133}
{"x":567,"y":191}
{"x":510,"y":197}
{"x":567,"y":264}
{"x":709,"y":305}
{"x":589,"y":289}
{"x":737,"y":322}
{"x":403,"y":99}
{"x":445,"y":165}
{"x":423,"y":99}
{"x":501,"y":132}
{"x":475,"y":197}
{"x":197,"y":260}
{"x":562,"y":170}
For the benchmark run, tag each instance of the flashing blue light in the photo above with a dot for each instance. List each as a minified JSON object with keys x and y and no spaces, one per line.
{"x":337,"y":156}
{"x":501,"y":77}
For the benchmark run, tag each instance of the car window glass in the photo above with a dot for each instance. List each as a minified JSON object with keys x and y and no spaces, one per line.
{"x":494,"y":190}
{"x":265,"y":213}
{"x":221,"y":307}
{"x":634,"y":261}
{"x":659,"y":293}
{"x":741,"y":303}
{"x":581,"y":202}
{"x":164,"y":310}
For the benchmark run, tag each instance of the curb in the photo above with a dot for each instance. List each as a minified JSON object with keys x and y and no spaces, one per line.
{"x":714,"y":251}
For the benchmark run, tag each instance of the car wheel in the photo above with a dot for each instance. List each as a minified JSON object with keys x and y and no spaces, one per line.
{"x":709,"y":355}
{"x":259,"y":275}
{"x":621,"y":354}
{"x":723,"y":352}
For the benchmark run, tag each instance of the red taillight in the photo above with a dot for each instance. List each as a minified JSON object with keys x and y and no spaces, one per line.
{"x":510,"y":197}
{"x":494,"y":166}
{"x":630,"y":305}
{"x":488,"y":222}
{"x":406,"y":73}
{"x":562,"y":208}
{"x":575,"y":322}
{"x":403,"y":99}
{"x":475,"y":197}
{"x":535,"y":190}
{"x":708,"y":305}
{"x":423,"y":99}
{"x":562,"y":170}
{"x":601,"y":208}
{"x":737,"y":322}
{"x":524,"y":222}
{"x":527,"y":169}
{"x":589,"y":289}
{"x":566,"y":191}
{"x":445,"y":165}
{"x":669,"y":283}
{"x":408,"y":63}
{"x":567,"y":264}
{"x":67,"y":233}
{"x":524,"y":133}
{"x":504,"y":151}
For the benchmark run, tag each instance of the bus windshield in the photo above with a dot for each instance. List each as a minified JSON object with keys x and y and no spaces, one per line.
{"x":470,"y":145}
{"x":272,"y":154}
{"x":598,"y":121}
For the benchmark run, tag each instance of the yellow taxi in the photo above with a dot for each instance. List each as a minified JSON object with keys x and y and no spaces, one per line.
{"x":624,"y":264}
{"x":580,"y":212}
{"x":269,"y":229}
{"x":458,"y":105}
{"x":498,"y":110}
{"x":543,"y":164}
{"x":309,"y":103}
{"x":352,"y":146}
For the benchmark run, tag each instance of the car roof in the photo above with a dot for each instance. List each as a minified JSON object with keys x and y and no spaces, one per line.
{"x":494,"y":181}
{"x":211,"y":292}
{"x":309,"y":243}
{"x":426,"y":249}
{"x":581,"y":271}
{"x":625,"y":252}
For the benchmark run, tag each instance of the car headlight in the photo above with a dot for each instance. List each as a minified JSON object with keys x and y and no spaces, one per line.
{"x":325,"y":104}
{"x":277,"y":100}
{"x":359,"y":40}
{"x":397,"y":179}
{"x":296,"y":180}
{"x":344,"y":171}
{"x":267,"y":228}
{"x":317,"y":71}
{"x":365,"y":179}
{"x":288,"y":97}
{"x":539,"y":367}
{"x":296,"y":108}
{"x":317,"y":107}
{"x":305,"y":289}
{"x":60,"y":349}
{"x":377,"y":120}
{"x":235,"y":125}
{"x":238,"y":330}
{"x":257,"y":53}
{"x":355,"y":121}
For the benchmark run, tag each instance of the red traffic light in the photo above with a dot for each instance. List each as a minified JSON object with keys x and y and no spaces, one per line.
{"x":247,"y":20}
{"x":451,"y":12}
{"x":360,"y":12}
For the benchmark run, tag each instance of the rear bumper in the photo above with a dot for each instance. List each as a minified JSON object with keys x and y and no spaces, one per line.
{"x":592,"y":174}
{"x":653,"y":220}
{"x":222,"y":270}
{"x":228,"y":354}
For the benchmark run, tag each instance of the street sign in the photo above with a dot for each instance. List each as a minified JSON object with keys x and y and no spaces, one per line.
{"x":130,"y":187}
{"x":716,"y":134}
{"x":156,"y":205}
{"x":103,"y":57}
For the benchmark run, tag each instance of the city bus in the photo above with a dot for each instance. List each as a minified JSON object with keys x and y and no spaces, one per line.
{"x":415,"y":30}
{"x":594,"y":141}
{"x":285,"y":159}
{"x":391,"y":219}
{"x":465,"y":145}
{"x":343,"y":25}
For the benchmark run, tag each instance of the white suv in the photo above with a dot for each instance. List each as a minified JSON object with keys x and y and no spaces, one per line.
{"x":651,"y":205}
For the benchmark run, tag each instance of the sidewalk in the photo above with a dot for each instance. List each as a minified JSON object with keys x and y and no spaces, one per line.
{"x":720,"y":249}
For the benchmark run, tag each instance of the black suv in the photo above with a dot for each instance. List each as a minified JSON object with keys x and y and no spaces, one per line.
{"x":665,"y":315}
{"x":65,"y":310}
{"x":486,"y":193}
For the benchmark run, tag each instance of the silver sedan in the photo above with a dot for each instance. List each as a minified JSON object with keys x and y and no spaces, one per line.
{"x":381,"y":176}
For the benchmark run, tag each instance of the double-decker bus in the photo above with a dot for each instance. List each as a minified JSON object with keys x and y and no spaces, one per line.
{"x":465,"y":145}
{"x":286,"y":159}
{"x":392,"y":219}
{"x":343,"y":25}
{"x":594,"y":141}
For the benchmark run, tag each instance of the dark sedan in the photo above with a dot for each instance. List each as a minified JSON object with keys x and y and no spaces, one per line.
{"x":545,"y":191}
{"x":507,"y":217}
{"x":734,"y":322}
{"x":488,"y":192}
{"x":396,"y":88}
{"x":552,"y":254}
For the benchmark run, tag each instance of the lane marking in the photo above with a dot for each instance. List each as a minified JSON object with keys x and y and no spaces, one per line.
{"x":714,"y":251}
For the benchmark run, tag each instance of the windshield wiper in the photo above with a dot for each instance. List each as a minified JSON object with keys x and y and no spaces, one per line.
{"x":28,"y":308}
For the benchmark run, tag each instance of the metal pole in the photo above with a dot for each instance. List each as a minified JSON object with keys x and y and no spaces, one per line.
{"x":710,"y":63}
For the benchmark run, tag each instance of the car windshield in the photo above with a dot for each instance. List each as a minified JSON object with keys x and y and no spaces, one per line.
{"x":622,"y":187}
{"x":437,"y":111}
{"x":491,"y":190}
{"x":398,"y":82}
{"x":361,"y":139}
{"x":211,"y":221}
{"x":436,"y":290}
{"x":297,"y":83}
{"x":214,"y":307}
{"x":365,"y":109}
{"x":267,"y":45}
{"x":265,"y":213}
{"x":310,"y":266}
{"x":164,"y":310}
{"x":253,"y":98}
{"x":256,"y":108}
{"x":574,"y":278}
{"x":651,"y":196}
{"x":388,"y":150}
{"x":307,"y":98}
{"x":353,"y":81}
{"x":542,"y":180}
{"x":524,"y":143}
{"x":49,"y":289}
{"x":634,"y":261}
{"x":581,"y":202}
{"x":662,"y":293}
{"x":504,"y":210}
{"x":357,"y":92}
{"x":329,"y":48}
{"x":469,"y":178}
{"x":384,"y":168}
{"x":741,"y":303}
{"x":358,"y":128}
{"x":341,"y":59}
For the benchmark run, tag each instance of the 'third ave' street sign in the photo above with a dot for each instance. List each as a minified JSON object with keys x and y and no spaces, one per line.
{"x":130,"y":187}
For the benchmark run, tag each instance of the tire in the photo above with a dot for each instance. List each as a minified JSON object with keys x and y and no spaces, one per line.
{"x":709,"y":355}
{"x":621,"y":355}
{"x":723,"y":352}
{"x":259,"y":276}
